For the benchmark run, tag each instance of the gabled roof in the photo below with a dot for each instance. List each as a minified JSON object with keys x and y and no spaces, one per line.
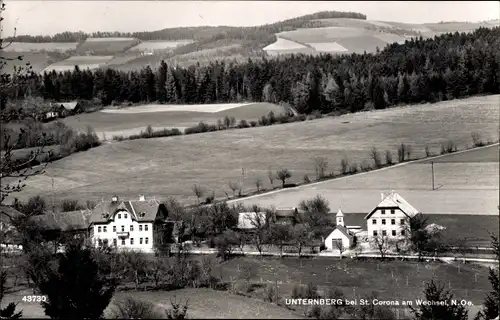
{"x":246,"y":219}
{"x":394,"y":200}
{"x":63,"y":221}
{"x":342,"y":229}
{"x":69,"y":105}
{"x":142,"y":211}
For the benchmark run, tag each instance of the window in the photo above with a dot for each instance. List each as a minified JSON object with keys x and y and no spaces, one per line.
{"x":384,"y":232}
{"x":131,"y":228}
{"x":125,"y":216}
{"x":140,"y":240}
{"x":123,"y":242}
{"x":374,"y":221}
{"x":105,"y":229}
{"x":119,"y":216}
{"x":402,"y":221}
{"x":131,"y":241}
{"x":393,"y":211}
{"x":114,"y":228}
{"x":146,"y":240}
{"x":100,"y":242}
{"x":393,"y":232}
{"x":383,"y":211}
{"x":123,"y":228}
{"x":114,"y":242}
{"x":146,"y":228}
{"x":402,"y":232}
{"x":375,"y":233}
{"x":393,"y":221}
{"x":98,"y":229}
{"x":383,"y":221}
{"x":140,"y":227}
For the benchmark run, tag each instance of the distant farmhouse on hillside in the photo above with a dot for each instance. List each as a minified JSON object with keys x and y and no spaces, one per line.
{"x":62,"y":110}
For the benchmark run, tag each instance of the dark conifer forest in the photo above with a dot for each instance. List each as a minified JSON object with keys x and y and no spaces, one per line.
{"x":445,"y":67}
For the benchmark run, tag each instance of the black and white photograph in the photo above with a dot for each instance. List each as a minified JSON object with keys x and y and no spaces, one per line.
{"x":249,"y":159}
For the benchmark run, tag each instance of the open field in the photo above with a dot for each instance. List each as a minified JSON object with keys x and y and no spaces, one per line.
{"x":347,"y":274}
{"x":159,"y":45}
{"x":283,"y":44}
{"x":168,"y":167}
{"x":38,"y":60}
{"x":40,"y":46}
{"x":463,"y":187}
{"x":106,"y":45}
{"x":203,"y":304}
{"x":84,"y":62}
{"x":132,"y":120}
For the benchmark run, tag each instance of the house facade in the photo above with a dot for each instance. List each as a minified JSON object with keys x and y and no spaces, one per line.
{"x":134,"y":225}
{"x":390,"y":217}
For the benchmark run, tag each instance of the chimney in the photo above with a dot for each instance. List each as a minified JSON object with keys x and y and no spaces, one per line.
{"x":114,"y":199}
{"x":142,"y":198}
{"x":381,"y":196}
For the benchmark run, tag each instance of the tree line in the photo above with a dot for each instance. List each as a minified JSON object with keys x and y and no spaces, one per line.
{"x":196,"y":33}
{"x":446,"y":67}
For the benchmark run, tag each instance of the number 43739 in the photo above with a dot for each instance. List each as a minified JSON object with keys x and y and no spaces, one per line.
{"x":34,"y":298}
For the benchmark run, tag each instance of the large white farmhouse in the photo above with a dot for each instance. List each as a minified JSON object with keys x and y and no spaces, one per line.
{"x":390,"y":216}
{"x":137,"y":224}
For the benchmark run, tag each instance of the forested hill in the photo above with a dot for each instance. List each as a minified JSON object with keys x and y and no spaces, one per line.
{"x":446,"y":67}
{"x":199,"y":33}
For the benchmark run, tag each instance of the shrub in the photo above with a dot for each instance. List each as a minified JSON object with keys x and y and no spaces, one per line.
{"x":210,"y":199}
{"x":119,"y":138}
{"x":306,"y":179}
{"x":448,"y":147}
{"x":131,"y":308}
{"x":477,"y":140}
{"x":243,"y":124}
{"x":353,"y":168}
{"x":365,"y":166}
{"x":316,"y":114}
{"x":253,"y":123}
{"x":71,"y":205}
{"x":200,"y":128}
{"x":427,"y":151}
{"x":263,"y":121}
{"x":271,"y":118}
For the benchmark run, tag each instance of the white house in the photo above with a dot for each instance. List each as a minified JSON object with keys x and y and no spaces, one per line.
{"x":341,"y":238}
{"x":137,"y":224}
{"x":390,"y":216}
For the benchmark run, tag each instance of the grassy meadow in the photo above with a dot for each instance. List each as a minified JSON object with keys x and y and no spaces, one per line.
{"x":169,"y":167}
{"x":468,"y":187}
{"x":132,"y":120}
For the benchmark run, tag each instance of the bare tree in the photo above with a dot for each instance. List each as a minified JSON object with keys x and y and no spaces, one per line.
{"x":381,"y":243}
{"x":344,"y":165}
{"x":302,"y":235}
{"x":427,"y":151}
{"x":158,"y":269}
{"x":177,"y":312}
{"x":375,"y":155}
{"x":198,"y":191}
{"x":321,"y":166}
{"x":260,"y":234}
{"x":258,"y":184}
{"x":233,"y":186}
{"x":282,"y":175}
{"x":270,"y":175}
{"x":137,"y":265}
{"x":476,"y":139}
{"x":402,"y":153}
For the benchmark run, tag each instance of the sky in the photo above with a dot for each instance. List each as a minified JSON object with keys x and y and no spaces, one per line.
{"x":45,"y":17}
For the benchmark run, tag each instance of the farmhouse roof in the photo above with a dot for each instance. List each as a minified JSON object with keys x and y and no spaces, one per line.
{"x":394,"y":200}
{"x":342,"y":229}
{"x":69,"y":105}
{"x":141,"y":210}
{"x":63,"y":221}
{"x":246,"y":219}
